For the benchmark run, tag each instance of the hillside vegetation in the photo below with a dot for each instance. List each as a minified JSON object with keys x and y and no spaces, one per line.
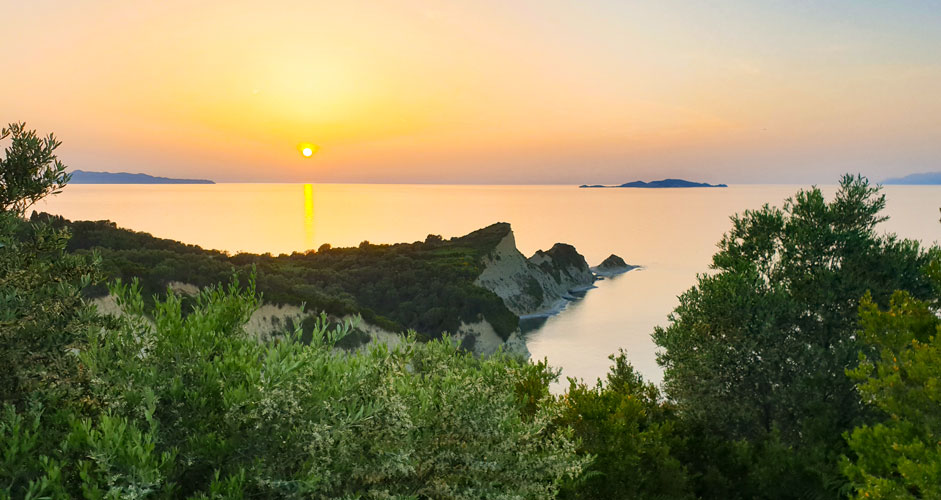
{"x":423,"y":286}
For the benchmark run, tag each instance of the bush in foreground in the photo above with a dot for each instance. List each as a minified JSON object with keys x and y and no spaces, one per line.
{"x":756,"y":352}
{"x":628,"y":429}
{"x":192,"y":406}
{"x":899,"y":457}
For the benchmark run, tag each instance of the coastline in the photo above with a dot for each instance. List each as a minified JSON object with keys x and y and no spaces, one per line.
{"x":575,"y":293}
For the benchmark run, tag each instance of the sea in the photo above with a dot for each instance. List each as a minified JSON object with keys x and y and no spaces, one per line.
{"x":671,"y":233}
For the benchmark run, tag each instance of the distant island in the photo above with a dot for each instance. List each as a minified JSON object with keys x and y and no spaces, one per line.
{"x":923,"y":179}
{"x":665,"y":183}
{"x":84,"y":177}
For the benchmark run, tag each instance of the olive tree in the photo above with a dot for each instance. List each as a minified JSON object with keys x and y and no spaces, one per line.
{"x":43,"y":322}
{"x":29,"y":170}
{"x":757,"y":350}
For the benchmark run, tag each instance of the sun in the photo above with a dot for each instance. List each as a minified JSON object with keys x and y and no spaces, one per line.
{"x":307,"y":149}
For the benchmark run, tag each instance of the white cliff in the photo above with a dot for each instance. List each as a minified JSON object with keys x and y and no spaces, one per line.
{"x":538,"y":285}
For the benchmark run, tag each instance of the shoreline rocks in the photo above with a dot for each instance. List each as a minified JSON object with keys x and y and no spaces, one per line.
{"x":612,"y":266}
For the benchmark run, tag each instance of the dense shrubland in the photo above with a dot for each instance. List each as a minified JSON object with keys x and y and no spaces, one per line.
{"x":630,"y":432}
{"x":158,"y":403}
{"x":805,"y":365}
{"x":423,"y":286}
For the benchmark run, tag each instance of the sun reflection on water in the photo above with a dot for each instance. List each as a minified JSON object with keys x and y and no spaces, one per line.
{"x":309,"y":216}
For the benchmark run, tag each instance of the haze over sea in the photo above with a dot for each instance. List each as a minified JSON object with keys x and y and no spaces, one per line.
{"x":672,"y":233}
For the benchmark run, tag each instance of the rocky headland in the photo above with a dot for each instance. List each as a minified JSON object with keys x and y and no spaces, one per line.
{"x":475,"y":288}
{"x":536,"y":285}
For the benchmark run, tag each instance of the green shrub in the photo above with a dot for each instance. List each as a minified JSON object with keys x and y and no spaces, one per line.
{"x":192,"y":404}
{"x":899,"y":457}
{"x":628,"y":430}
{"x":756,"y":352}
{"x":29,"y":169}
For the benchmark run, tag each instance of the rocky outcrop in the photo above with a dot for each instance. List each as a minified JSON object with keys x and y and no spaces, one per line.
{"x":565,"y":265}
{"x":535,"y":286}
{"x":612,"y":266}
{"x":271,"y":320}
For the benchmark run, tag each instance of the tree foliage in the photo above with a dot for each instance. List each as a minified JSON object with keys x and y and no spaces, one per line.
{"x":899,"y":457}
{"x":43,"y":326}
{"x":629,"y":432}
{"x":191,"y":405}
{"x":29,"y":170}
{"x":758,"y":349}
{"x":42,"y":315}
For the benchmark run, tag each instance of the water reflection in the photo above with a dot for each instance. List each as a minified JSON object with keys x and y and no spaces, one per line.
{"x":308,"y":216}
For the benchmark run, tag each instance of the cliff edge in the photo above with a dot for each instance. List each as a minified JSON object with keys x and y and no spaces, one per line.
{"x":537,"y":285}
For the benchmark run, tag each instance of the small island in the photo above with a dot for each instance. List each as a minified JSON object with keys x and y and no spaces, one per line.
{"x":85,"y":177}
{"x":665,"y":183}
{"x":612,"y":266}
{"x":923,"y":179}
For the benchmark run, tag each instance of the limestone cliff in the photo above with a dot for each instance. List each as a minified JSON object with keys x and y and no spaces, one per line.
{"x":565,"y":265}
{"x":538,"y":285}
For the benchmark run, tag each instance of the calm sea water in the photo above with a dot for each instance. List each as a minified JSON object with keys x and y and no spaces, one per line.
{"x":672,"y":233}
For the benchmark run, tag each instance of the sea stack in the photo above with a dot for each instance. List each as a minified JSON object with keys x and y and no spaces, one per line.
{"x":612,"y":266}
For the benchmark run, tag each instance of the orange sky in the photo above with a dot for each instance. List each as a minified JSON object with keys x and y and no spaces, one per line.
{"x":480,"y":92}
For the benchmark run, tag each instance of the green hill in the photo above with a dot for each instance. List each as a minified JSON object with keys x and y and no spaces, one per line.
{"x":427,"y":285}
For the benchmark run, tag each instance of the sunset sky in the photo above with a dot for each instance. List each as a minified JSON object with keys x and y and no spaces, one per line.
{"x":509,"y":91}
